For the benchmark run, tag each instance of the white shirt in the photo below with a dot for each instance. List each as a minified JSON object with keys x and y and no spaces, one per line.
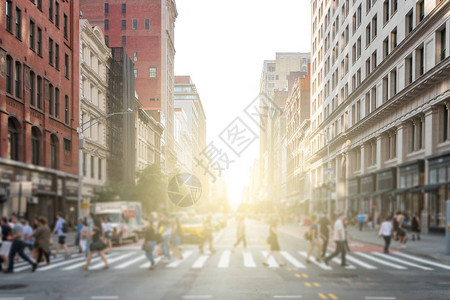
{"x":386,"y":228}
{"x":338,"y":226}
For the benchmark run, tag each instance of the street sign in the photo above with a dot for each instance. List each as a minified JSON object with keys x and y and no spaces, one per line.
{"x":84,"y":206}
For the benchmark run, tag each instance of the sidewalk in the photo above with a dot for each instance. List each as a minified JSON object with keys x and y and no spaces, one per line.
{"x":430,"y":245}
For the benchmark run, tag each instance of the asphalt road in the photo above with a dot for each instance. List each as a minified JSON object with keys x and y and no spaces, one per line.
{"x":239,"y":275}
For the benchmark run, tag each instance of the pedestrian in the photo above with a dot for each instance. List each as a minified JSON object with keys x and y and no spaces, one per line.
{"x":175,"y":238}
{"x":347,"y":236}
{"x":150,"y":242}
{"x":42,"y":239}
{"x":6,"y":243}
{"x":415,"y":226}
{"x":27,"y":232}
{"x":240,"y":234}
{"x":61,"y":229}
{"x":325,"y":230}
{"x":207,"y":235}
{"x":90,"y":223}
{"x":83,"y":236}
{"x":339,"y":238}
{"x":165,"y":229}
{"x":386,"y":229}
{"x":108,"y":235}
{"x":96,"y":244}
{"x":361,"y":219}
{"x":78,"y":234}
{"x":272,"y":240}
{"x":401,"y":231}
{"x":314,"y":240}
{"x":17,"y":246}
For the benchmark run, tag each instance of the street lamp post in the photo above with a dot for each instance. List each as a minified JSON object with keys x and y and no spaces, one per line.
{"x":80,"y":149}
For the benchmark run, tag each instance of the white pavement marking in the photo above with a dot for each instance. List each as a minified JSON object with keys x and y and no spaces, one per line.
{"x":402,"y":261}
{"x":429,"y":262}
{"x":72,"y":267}
{"x":197,"y":297}
{"x":361,"y":263}
{"x":249,"y":262}
{"x":12,"y":298}
{"x":110,"y":261}
{"x":28,"y":266}
{"x":288,"y":297}
{"x":130,"y":262}
{"x":321,"y":264}
{"x":176,"y":263}
{"x":200,"y":262}
{"x":338,"y":261}
{"x":63,"y":263}
{"x":381,"y":261}
{"x":147,"y":264}
{"x":104,"y":297}
{"x":272,"y":262}
{"x":379,"y":298}
{"x":292,"y":260}
{"x":225,"y":259}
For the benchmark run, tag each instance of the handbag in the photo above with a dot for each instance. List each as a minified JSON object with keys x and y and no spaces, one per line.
{"x":97,"y":246}
{"x":146,"y":247}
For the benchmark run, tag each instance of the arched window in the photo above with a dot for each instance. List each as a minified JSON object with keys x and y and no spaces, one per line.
{"x":13,"y":139}
{"x":35,"y":146}
{"x":54,"y":148}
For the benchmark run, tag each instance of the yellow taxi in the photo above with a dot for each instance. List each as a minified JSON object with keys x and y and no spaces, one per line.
{"x":192,"y":227}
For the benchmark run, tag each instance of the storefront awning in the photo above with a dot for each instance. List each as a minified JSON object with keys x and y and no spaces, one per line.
{"x":429,"y":187}
{"x":379,"y":193}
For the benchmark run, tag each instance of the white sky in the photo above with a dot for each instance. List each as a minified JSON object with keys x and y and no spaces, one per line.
{"x":222,"y":45}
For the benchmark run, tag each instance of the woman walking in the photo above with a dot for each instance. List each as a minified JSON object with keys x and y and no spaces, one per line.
{"x":386,"y":232}
{"x":272,"y":240}
{"x":415,"y":226}
{"x":108,"y":235}
{"x":401,"y":231}
{"x":96,"y":244}
{"x":150,"y":244}
{"x":42,"y":239}
{"x":314,"y":240}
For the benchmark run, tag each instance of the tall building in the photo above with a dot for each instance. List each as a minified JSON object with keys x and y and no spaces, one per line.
{"x":183,"y":141}
{"x":274,"y":77}
{"x":121,"y":136}
{"x":379,"y":107}
{"x":39,"y":86}
{"x":145,"y":29}
{"x":188,"y":99}
{"x":94,"y":65}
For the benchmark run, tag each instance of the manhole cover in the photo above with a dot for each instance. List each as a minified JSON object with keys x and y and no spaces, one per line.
{"x":12,"y":286}
{"x":184,"y":189}
{"x":337,"y":275}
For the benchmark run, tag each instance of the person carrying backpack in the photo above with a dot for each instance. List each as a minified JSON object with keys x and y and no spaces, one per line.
{"x":61,"y":229}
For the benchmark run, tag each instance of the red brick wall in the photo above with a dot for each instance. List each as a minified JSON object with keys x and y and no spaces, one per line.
{"x":20,"y":108}
{"x":146,"y":42}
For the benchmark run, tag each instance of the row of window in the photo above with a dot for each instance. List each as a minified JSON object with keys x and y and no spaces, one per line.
{"x":15,"y":138}
{"x":124,"y":24}
{"x":14,"y":86}
{"x":124,"y":8}
{"x":92,"y":166}
{"x":152,"y":72}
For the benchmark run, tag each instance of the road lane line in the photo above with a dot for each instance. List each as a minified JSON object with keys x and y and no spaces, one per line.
{"x":316,"y":284}
{"x":197,"y":297}
{"x":361,"y":263}
{"x":12,"y":298}
{"x":323,"y":296}
{"x":381,"y":261}
{"x":225,"y":259}
{"x":82,"y":263}
{"x":333,"y":296}
{"x":272,"y":262}
{"x":200,"y":262}
{"x":292,"y":260}
{"x":101,"y":264}
{"x":63,"y":263}
{"x":425,"y":261}
{"x":305,"y":275}
{"x":321,"y":264}
{"x":298,"y":275}
{"x":104,"y":297}
{"x":249,"y":262}
{"x":338,"y":261}
{"x":288,"y":297}
{"x":176,"y":263}
{"x":28,"y":266}
{"x":379,"y":298}
{"x":308,"y":284}
{"x":402,"y":261}
{"x":147,"y":264}
{"x":130,"y":262}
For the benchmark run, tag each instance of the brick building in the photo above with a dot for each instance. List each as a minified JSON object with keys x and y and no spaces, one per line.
{"x":38,"y":107}
{"x":145,"y":29}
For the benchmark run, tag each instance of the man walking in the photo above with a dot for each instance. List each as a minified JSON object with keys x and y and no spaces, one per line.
{"x":240,"y":234}
{"x":325,"y":229}
{"x":339,"y":238}
{"x":61,"y":230}
{"x":17,"y":246}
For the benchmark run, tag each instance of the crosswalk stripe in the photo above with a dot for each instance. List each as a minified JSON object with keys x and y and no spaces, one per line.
{"x":425,"y":261}
{"x":272,"y":262}
{"x":200,"y":262}
{"x":147,"y":264}
{"x":338,"y":261}
{"x":361,"y":263}
{"x":249,"y":262}
{"x":110,"y":261}
{"x":28,"y":266}
{"x":381,"y":261}
{"x":321,"y":264}
{"x":292,"y":260}
{"x":402,"y":261}
{"x":225,"y":259}
{"x":78,"y":265}
{"x":67,"y":262}
{"x":130,"y":262}
{"x":176,"y":263}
